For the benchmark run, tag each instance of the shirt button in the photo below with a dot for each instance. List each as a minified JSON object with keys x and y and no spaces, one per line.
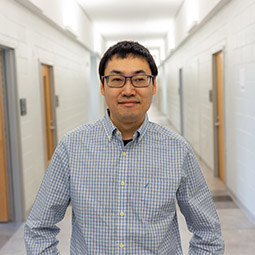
{"x":121,"y":245}
{"x":122,"y":183}
{"x":124,"y":154}
{"x":122,"y":214}
{"x":117,"y":132}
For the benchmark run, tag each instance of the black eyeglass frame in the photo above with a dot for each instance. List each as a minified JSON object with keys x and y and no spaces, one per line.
{"x":126,"y":77}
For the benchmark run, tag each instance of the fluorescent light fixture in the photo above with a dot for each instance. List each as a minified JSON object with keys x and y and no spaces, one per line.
{"x":110,"y":28}
{"x":192,"y":13}
{"x":70,"y":16}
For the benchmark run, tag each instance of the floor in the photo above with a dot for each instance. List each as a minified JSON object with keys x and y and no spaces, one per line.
{"x":238,"y":231}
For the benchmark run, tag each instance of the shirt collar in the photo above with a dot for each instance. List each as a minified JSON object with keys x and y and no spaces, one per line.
{"x":111,"y":129}
{"x":142,"y":129}
{"x":108,"y":125}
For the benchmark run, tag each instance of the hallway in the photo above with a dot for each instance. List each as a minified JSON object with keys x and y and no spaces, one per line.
{"x":238,"y":231}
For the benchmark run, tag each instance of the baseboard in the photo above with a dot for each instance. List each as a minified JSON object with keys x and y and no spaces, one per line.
{"x":246,"y":211}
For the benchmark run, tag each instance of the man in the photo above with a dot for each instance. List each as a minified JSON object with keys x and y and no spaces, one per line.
{"x":123,"y":175}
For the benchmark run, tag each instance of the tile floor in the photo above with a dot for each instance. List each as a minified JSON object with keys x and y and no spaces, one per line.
{"x":238,"y":231}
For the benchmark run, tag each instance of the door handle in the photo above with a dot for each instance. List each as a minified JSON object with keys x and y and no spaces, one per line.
{"x":216,"y":124}
{"x":52,"y":127}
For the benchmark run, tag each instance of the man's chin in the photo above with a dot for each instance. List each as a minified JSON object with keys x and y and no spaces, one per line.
{"x":130,"y":118}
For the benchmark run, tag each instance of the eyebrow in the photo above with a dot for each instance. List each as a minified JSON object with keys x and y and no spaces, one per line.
{"x":136,"y":72}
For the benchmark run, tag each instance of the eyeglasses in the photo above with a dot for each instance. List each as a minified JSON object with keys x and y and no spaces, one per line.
{"x":118,"y":81}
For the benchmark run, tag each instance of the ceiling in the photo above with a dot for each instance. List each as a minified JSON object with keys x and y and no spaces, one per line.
{"x":131,"y":19}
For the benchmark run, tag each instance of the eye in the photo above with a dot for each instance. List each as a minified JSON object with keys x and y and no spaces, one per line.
{"x":140,"y":78}
{"x":114,"y":79}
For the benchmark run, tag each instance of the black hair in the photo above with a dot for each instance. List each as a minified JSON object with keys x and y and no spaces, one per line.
{"x":122,"y":50}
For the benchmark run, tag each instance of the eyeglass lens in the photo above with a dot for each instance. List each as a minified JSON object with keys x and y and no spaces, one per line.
{"x":137,"y":80}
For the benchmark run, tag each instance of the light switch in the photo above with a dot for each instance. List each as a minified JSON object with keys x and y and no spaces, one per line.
{"x":23,"y":106}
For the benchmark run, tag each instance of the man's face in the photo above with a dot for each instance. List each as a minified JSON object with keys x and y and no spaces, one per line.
{"x":128,"y":104}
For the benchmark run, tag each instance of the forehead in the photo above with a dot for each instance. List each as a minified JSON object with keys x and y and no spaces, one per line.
{"x":129,"y":63}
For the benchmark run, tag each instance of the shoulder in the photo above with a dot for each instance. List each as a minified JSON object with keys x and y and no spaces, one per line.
{"x":86,"y":130}
{"x":168,"y":136}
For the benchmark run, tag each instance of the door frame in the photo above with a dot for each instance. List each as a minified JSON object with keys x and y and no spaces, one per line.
{"x":53,"y":107}
{"x":181,"y":101}
{"x":215,"y":113}
{"x":4,"y":157}
{"x":13,"y":150}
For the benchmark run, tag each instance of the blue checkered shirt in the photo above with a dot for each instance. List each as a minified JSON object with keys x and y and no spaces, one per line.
{"x":123,"y":197}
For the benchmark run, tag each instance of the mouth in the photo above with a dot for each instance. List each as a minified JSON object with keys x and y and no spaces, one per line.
{"x":129,"y":103}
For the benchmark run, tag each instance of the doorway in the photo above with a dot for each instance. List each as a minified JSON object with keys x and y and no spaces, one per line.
{"x":49,"y":113}
{"x":181,"y":101}
{"x":219,"y":127}
{"x":4,"y":212}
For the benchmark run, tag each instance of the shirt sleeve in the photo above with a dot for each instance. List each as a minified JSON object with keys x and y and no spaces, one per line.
{"x":198,"y":208}
{"x":49,"y":207}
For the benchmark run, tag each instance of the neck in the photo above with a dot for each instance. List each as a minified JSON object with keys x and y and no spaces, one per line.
{"x":127,"y":128}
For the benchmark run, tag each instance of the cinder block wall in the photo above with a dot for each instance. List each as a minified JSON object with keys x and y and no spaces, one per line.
{"x":35,"y":41}
{"x":233,"y":30}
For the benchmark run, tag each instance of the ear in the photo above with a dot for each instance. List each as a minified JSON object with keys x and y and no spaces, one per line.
{"x":154,"y":88}
{"x":102,"y":87}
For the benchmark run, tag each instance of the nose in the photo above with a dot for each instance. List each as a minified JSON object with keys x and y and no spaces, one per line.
{"x":128,"y":89}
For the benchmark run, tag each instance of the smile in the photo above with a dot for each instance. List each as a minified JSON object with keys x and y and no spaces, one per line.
{"x":129,"y":103}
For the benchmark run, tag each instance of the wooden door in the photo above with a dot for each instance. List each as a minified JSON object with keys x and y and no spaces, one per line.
{"x":219,"y":122}
{"x":48,"y":112}
{"x":4,"y":214}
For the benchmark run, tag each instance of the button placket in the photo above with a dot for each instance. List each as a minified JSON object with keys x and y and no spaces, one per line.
{"x":122,"y":191}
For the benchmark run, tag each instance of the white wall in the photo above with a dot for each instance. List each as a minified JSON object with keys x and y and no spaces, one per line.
{"x":231,"y":29}
{"x":191,"y":14}
{"x":35,"y":40}
{"x":68,"y":16}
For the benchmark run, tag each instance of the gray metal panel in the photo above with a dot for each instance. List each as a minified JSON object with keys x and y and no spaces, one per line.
{"x":14,"y":136}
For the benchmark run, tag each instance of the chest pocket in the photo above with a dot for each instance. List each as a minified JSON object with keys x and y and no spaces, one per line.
{"x":153,"y":199}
